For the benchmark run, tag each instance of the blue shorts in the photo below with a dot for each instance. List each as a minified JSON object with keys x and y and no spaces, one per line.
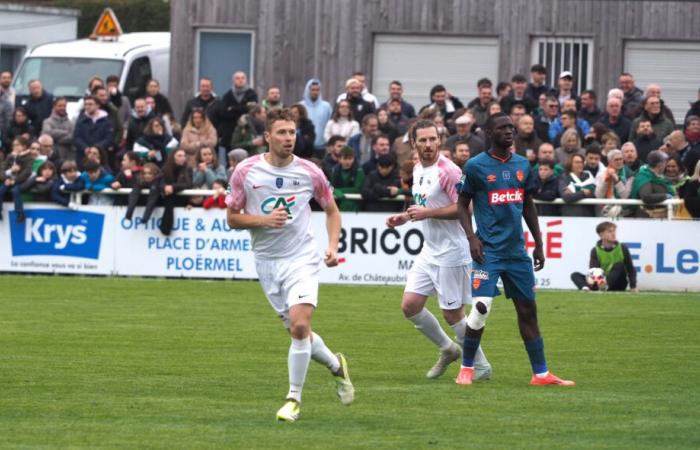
{"x":516,"y":272}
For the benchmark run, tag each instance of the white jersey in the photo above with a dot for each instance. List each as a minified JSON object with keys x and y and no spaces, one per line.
{"x":258,"y":187}
{"x":445,"y":243}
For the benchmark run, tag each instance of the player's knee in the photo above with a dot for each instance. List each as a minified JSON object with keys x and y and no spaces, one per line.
{"x":300,"y":329}
{"x":479,"y":313}
{"x":410,"y":308}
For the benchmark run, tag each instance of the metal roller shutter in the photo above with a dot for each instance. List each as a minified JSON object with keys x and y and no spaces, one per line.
{"x":420,"y":62}
{"x":675,"y":66}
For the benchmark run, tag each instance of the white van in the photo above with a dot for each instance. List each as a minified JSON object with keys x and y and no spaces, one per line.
{"x":65,"y":68}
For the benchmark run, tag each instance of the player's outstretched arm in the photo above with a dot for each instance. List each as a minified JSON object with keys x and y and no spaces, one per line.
{"x":333,"y":224}
{"x":530,"y":216}
{"x":241,"y":221}
{"x":476,"y":247}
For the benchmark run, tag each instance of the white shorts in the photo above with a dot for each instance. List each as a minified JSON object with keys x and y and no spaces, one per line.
{"x":288,"y":283}
{"x":451,"y":284}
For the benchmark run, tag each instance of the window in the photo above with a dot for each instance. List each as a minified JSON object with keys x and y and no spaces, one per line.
{"x":561,"y":53}
{"x":139,"y":75}
{"x":10,"y":56}
{"x":220,"y":53}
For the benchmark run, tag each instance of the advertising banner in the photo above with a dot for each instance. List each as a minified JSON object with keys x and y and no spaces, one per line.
{"x":98,"y":240}
{"x":58,"y":240}
{"x":201,"y":245}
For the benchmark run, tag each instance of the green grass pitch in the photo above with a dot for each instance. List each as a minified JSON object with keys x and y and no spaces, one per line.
{"x":152,"y":363}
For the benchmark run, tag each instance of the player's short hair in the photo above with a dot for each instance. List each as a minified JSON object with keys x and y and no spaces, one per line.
{"x":335,"y":138}
{"x":423,"y":123}
{"x":488,"y":126}
{"x":604,"y":226}
{"x":276,"y":115}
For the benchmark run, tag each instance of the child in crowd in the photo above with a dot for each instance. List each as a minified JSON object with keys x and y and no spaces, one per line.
{"x":347,"y":178}
{"x":615,"y":260}
{"x":547,"y":188}
{"x":148,"y":178}
{"x":218,"y":200}
{"x":95,"y":179}
{"x":69,"y":182}
{"x":39,"y":184}
{"x":16,"y":170}
{"x":128,"y":176}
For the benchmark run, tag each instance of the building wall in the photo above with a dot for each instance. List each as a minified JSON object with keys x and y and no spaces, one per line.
{"x":330,"y":39}
{"x":29,"y":26}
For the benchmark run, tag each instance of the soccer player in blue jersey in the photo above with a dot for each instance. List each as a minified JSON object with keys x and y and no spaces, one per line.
{"x":500,"y":185}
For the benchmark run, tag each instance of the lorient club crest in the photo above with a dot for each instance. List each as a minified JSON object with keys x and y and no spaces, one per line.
{"x":279,"y":182}
{"x":520,"y":175}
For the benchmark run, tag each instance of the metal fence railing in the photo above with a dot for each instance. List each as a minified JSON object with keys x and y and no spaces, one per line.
{"x":670,"y":204}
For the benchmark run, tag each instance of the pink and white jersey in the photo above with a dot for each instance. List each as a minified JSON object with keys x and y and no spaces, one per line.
{"x":445,"y":242}
{"x":258,"y":188}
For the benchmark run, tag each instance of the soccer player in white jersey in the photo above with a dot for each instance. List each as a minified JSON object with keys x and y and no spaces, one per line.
{"x":444,"y":263}
{"x":270,"y":196}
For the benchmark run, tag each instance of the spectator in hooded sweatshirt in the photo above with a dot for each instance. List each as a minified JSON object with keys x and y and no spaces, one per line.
{"x":319,"y":112}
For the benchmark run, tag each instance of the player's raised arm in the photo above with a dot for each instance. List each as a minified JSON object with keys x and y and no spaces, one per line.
{"x":530,"y":216}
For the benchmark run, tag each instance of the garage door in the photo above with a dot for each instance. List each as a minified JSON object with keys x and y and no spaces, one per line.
{"x":420,"y":62}
{"x":672,"y":65}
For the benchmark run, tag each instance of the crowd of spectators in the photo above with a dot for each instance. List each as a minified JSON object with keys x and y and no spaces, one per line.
{"x":624,"y":145}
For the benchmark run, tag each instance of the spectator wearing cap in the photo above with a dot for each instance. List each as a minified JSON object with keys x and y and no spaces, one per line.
{"x":358,"y":105}
{"x":465,"y":124}
{"x":589,"y":109}
{"x":234,"y":157}
{"x":566,"y":84}
{"x":517,"y":95}
{"x":651,"y":186}
{"x":442,"y":102}
{"x":383,"y":182}
{"x":361,"y":78}
{"x":632,"y":96}
{"x":396,"y":93}
{"x":537,"y":85}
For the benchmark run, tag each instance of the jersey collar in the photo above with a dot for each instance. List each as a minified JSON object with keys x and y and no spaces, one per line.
{"x":510,"y":155}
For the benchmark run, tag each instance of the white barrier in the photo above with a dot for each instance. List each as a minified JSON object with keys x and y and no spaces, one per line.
{"x":97,"y":240}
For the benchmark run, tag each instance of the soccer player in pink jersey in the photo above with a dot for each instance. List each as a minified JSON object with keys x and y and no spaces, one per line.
{"x":270,"y":196}
{"x":444,"y":263}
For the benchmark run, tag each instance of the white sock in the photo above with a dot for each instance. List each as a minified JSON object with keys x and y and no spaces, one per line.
{"x":460,"y":328}
{"x":426,"y":323}
{"x":322,"y":354}
{"x":542,"y":375}
{"x":298,"y":362}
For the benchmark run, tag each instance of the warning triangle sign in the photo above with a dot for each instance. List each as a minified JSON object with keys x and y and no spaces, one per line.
{"x":107,"y":25}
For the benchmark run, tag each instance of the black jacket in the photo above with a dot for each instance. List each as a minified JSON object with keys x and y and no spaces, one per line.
{"x":38,"y":109}
{"x":376,"y":187}
{"x":306,"y":135}
{"x":646,"y":144}
{"x":547,"y":190}
{"x":197,"y":102}
{"x":224,"y":114}
{"x":622,"y":127}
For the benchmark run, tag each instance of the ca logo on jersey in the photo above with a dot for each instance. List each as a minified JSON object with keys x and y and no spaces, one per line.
{"x":420,"y":199}
{"x":273,"y":202}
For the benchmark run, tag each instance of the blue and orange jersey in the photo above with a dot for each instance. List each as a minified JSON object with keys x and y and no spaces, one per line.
{"x":498,"y":189}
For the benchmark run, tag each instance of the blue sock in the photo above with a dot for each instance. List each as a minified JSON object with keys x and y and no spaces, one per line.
{"x":471,"y":344}
{"x":535,"y":351}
